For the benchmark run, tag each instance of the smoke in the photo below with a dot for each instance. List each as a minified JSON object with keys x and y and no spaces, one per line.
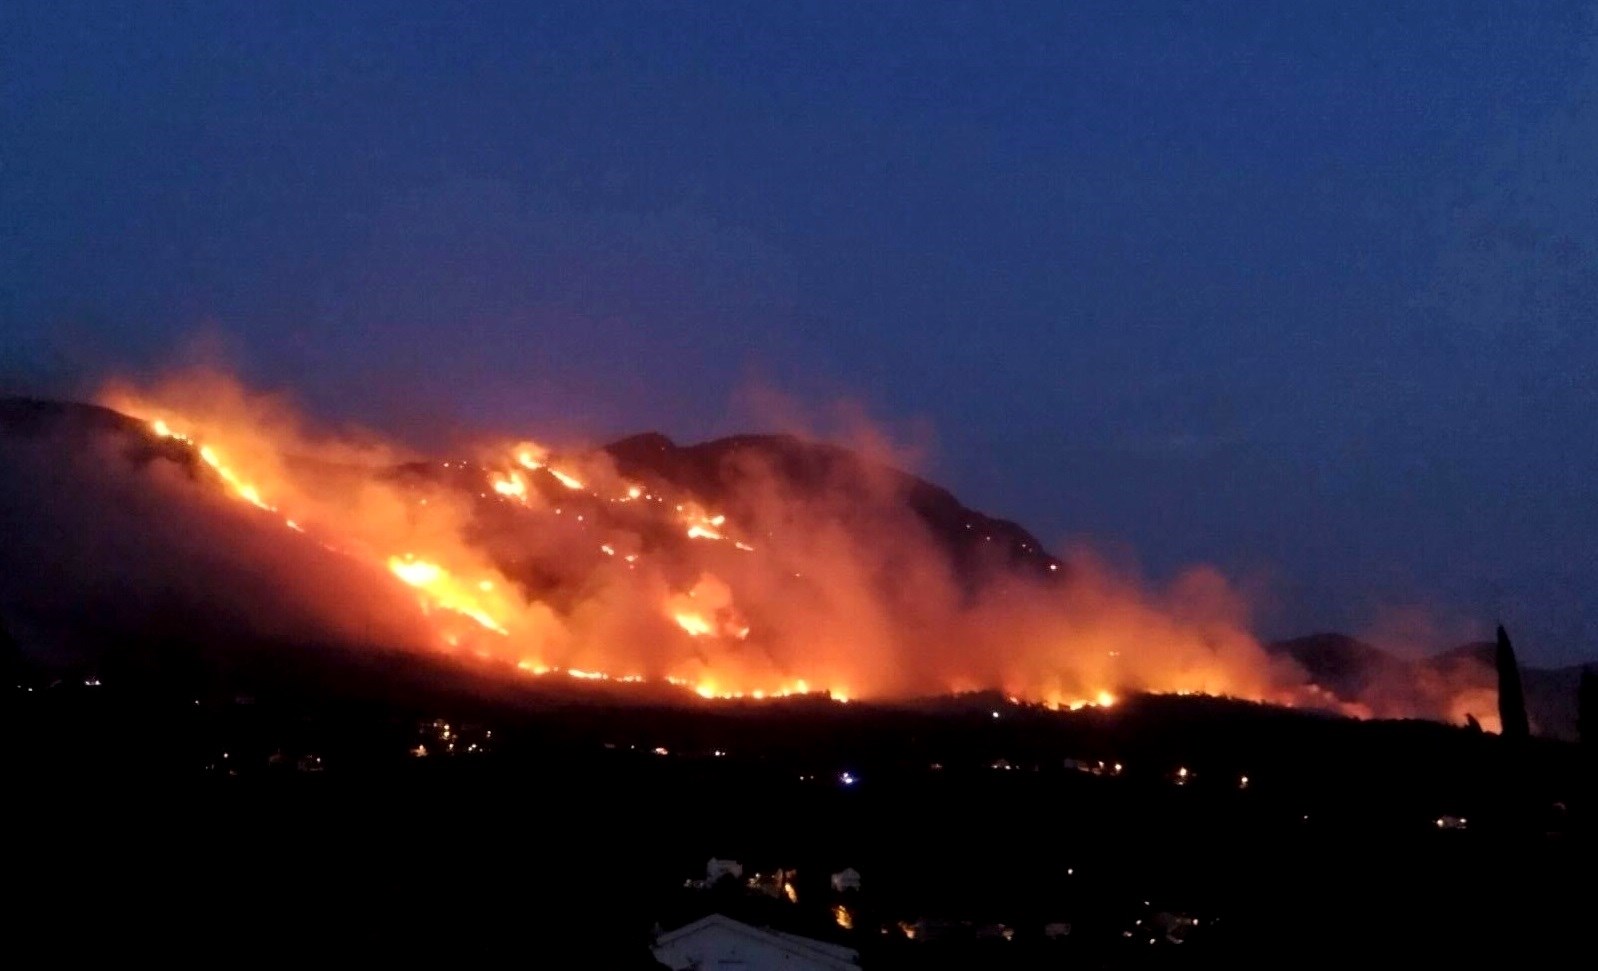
{"x":1443,"y":682}
{"x":106,"y":541}
{"x":792,"y":568}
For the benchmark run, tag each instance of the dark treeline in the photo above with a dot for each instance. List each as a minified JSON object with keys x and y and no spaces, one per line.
{"x":282,"y":809}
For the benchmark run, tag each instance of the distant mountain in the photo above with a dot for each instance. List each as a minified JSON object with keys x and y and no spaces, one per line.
{"x":775,"y":481}
{"x":1356,"y":671}
{"x":1346,"y":667}
{"x":1550,"y":692}
{"x":769,"y":488}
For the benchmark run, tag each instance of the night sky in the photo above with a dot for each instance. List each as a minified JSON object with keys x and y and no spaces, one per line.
{"x":1306,"y":291}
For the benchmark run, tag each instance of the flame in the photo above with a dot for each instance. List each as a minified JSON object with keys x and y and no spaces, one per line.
{"x":443,"y":590}
{"x":511,"y":485}
{"x":440,"y":589}
{"x":694,"y":624}
{"x":244,"y":490}
{"x":531,"y":456}
{"x":569,"y":481}
{"x":808,"y":600}
{"x":701,"y":525}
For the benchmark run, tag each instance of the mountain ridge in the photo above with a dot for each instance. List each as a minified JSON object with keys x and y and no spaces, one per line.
{"x":720,"y":471}
{"x":1349,"y":668}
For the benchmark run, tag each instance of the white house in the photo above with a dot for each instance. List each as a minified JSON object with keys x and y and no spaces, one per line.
{"x":846,"y":879}
{"x":716,"y":869}
{"x":718,"y":942}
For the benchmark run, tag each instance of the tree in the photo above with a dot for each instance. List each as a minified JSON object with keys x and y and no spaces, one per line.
{"x":1511,"y":696}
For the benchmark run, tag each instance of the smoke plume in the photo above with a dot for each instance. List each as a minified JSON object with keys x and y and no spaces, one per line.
{"x":785,"y":574}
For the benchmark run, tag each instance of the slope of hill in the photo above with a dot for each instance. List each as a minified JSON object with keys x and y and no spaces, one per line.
{"x":109,"y":541}
{"x":1356,"y":671}
{"x":735,"y":471}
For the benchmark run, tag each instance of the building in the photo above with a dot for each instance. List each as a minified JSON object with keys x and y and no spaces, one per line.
{"x":720,"y":942}
{"x":716,"y":869}
{"x":846,"y":879}
{"x":779,"y":884}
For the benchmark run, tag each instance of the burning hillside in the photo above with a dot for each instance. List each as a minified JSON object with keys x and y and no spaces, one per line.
{"x":757,"y":566}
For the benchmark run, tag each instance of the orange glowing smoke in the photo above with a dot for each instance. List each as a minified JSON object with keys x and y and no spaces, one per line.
{"x":837,"y":589}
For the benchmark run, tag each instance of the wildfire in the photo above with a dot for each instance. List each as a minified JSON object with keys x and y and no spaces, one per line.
{"x":701,"y":526}
{"x":530,"y":456}
{"x":209,"y":456}
{"x":797,"y":598}
{"x":443,"y":590}
{"x":695,"y":625}
{"x":440,"y":589}
{"x":709,"y":615}
{"x":511,"y":485}
{"x":705,"y":611}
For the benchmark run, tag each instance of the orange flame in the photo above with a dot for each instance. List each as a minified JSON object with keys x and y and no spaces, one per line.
{"x":816,"y":604}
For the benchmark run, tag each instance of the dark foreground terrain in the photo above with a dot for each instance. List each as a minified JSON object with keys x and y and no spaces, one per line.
{"x":162,"y":814}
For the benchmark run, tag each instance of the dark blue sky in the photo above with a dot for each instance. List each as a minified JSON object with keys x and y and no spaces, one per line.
{"x":1307,"y":290}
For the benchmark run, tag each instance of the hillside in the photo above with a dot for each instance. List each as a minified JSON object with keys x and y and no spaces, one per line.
{"x":1354,"y":670}
{"x":750,"y":560}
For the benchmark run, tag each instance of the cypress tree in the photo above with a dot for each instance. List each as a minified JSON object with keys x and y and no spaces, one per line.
{"x":1511,"y":697}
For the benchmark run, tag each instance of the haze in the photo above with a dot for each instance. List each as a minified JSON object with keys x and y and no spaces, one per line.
{"x":1302,"y":292}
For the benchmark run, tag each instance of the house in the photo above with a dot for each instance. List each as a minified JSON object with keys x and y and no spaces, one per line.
{"x":716,"y":869}
{"x":846,"y":879}
{"x":720,"y":942}
{"x":779,"y":884}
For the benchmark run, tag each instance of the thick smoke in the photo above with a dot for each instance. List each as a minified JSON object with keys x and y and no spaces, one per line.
{"x":842,"y":587}
{"x":556,"y":562}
